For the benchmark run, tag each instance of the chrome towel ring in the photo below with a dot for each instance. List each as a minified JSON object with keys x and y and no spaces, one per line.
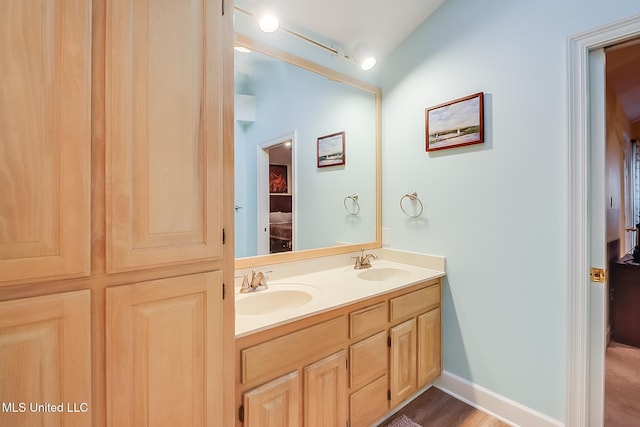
{"x":412,"y":197}
{"x":355,"y":206}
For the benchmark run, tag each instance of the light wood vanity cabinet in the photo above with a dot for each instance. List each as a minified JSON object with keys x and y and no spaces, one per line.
{"x":355,"y":363}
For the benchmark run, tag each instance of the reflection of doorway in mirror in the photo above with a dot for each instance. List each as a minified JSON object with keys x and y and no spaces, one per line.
{"x":276,"y":213}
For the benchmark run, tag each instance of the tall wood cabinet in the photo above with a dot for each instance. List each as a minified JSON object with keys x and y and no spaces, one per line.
{"x":116,"y":220}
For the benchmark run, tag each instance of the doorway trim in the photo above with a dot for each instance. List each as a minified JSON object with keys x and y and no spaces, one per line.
{"x":579,"y":47}
{"x":263,"y":193}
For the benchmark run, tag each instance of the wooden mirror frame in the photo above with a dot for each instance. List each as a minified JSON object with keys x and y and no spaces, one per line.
{"x":260,"y":260}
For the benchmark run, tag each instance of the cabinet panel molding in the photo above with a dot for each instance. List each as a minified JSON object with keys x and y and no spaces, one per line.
{"x":369,"y":403}
{"x":274,"y":404}
{"x":163,"y":352}
{"x":367,"y":320}
{"x":414,"y":302}
{"x":325,"y":392}
{"x":45,"y":129}
{"x":403,"y":361}
{"x":368,"y":360}
{"x":45,"y":357}
{"x":429,"y":347}
{"x":163,"y":132}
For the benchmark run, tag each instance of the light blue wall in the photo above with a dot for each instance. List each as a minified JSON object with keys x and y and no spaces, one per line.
{"x":290,"y":99}
{"x":497,"y":211}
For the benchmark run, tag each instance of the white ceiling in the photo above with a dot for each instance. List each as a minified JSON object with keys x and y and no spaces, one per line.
{"x":381,"y":24}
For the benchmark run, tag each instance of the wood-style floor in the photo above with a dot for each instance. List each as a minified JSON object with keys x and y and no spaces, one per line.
{"x":434,"y":408}
{"x":622,"y":386}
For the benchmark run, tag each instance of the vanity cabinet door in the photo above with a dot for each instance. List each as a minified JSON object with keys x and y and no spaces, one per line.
{"x":45,"y":139}
{"x":274,"y":404}
{"x":164,"y":132}
{"x":429,"y":347}
{"x":325,"y":392}
{"x":45,"y":358}
{"x":403,"y":361}
{"x":164,"y":358}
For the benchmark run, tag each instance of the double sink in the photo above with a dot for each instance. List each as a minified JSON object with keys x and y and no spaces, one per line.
{"x":299,"y":295}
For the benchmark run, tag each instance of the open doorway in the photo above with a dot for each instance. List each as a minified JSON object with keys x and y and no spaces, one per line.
{"x":586,"y":248}
{"x":276,"y":195}
{"x":622,"y":358}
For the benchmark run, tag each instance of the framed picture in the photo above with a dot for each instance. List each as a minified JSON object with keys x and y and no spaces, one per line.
{"x":455,"y":123}
{"x":331,"y":150}
{"x":278,"y":179}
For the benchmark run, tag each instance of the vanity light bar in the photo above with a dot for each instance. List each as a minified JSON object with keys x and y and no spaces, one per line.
{"x":369,"y":60}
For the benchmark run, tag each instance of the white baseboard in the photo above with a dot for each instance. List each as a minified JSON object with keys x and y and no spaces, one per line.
{"x":506,"y":410}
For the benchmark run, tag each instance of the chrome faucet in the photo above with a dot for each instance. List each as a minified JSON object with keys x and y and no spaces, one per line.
{"x":258,"y":282}
{"x":363,"y":261}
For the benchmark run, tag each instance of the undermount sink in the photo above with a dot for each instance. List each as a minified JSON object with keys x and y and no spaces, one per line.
{"x":278,"y":297}
{"x":383,"y":273}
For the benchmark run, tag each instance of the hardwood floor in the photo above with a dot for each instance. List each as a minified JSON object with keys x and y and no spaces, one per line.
{"x":622,"y":386}
{"x":434,"y":408}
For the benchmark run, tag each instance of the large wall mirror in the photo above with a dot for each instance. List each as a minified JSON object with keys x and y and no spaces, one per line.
{"x":307,"y":159}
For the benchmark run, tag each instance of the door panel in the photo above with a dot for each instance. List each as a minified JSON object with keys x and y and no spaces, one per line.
{"x":164,"y":132}
{"x":45,"y":129}
{"x":163,"y":354}
{"x":45,"y":358}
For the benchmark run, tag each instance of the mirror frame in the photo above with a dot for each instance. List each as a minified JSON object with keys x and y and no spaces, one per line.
{"x":260,"y":260}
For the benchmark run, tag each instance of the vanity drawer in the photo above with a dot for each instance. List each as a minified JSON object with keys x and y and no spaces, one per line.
{"x":415,"y":302}
{"x":265,"y":360}
{"x":369,"y":404}
{"x":368,"y":360}
{"x":369,"y":319}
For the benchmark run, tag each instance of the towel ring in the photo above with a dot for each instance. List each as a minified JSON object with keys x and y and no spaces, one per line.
{"x":355,"y":210}
{"x":413,"y":197}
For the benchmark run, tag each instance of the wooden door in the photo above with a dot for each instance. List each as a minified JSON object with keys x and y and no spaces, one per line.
{"x":325,"y":392}
{"x":429,"y":347}
{"x":45,"y":139}
{"x":164,"y":352}
{"x":45,"y":358}
{"x":274,"y":404}
{"x":403,"y":361}
{"x":164,"y":133}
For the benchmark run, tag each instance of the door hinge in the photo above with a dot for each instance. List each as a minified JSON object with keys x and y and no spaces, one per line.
{"x":224,"y":236}
{"x":222,"y":7}
{"x":241,"y":413}
{"x":224,"y":291}
{"x":388,"y":394}
{"x":598,"y":275}
{"x":388,"y":341}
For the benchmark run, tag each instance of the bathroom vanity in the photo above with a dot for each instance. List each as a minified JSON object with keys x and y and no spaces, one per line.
{"x":364,"y":342}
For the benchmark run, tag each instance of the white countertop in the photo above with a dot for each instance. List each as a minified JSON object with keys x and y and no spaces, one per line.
{"x":335,"y":286}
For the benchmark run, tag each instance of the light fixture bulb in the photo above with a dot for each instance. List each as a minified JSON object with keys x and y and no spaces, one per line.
{"x":269,"y":23}
{"x":367,"y":63}
{"x":364,"y":56}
